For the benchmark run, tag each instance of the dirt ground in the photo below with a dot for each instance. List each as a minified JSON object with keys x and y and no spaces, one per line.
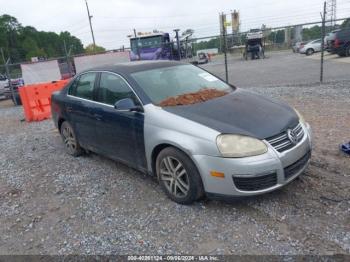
{"x":51,"y":203}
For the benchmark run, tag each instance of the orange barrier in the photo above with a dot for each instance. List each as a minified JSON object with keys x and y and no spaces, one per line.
{"x":36,"y":99}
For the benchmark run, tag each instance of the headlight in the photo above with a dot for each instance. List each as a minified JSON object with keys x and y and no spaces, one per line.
{"x":301,"y":118}
{"x":240,"y":146}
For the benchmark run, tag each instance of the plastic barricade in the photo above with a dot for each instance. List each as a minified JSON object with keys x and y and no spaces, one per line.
{"x":36,"y":99}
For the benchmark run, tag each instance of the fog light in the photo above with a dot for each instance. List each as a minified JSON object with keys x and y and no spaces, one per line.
{"x":217,"y":174}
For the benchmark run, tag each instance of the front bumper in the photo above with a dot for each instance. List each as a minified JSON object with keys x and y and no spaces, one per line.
{"x":270,"y":171}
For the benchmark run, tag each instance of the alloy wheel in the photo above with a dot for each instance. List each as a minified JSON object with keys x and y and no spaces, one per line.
{"x":69,"y":139}
{"x":174,"y":176}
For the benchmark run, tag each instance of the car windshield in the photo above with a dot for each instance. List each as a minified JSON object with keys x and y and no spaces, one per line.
{"x":180,"y":85}
{"x":146,"y":42}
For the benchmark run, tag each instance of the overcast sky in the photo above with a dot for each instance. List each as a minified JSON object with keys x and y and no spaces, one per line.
{"x":113,"y":20}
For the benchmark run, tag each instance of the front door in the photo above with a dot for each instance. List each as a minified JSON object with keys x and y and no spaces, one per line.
{"x":119,"y":134}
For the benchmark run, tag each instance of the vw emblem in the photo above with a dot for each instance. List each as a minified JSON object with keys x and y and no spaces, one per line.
{"x":292,"y":136}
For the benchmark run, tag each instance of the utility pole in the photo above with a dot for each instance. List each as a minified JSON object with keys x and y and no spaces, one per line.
{"x":178,"y":42}
{"x":92,"y":31}
{"x":323,"y":16}
{"x":223,"y":21}
{"x":331,"y":12}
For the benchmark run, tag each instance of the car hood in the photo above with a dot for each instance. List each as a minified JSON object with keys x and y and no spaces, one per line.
{"x":241,"y":112}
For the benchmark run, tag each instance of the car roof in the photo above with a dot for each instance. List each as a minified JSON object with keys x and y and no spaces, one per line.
{"x":343,"y":31}
{"x":128,"y":68}
{"x":315,"y":40}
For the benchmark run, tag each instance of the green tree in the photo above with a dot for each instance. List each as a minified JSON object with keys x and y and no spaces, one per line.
{"x":312,"y":33}
{"x":21,"y":43}
{"x":72,"y":42}
{"x":346,"y":23}
{"x":31,"y":48}
{"x":276,"y":37}
{"x":9,"y":30}
{"x":212,"y":43}
{"x":91,"y":49}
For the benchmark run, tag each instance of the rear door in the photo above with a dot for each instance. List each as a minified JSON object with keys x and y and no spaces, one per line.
{"x":119,"y":134}
{"x":80,"y":108}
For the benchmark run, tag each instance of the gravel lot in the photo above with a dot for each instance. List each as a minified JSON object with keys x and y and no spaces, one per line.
{"x":280,"y":68}
{"x":52,"y":203}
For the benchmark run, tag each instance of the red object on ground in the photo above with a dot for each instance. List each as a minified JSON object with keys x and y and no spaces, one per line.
{"x":36,"y":99}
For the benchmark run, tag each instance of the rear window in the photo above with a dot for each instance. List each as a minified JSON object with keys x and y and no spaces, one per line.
{"x":343,"y":33}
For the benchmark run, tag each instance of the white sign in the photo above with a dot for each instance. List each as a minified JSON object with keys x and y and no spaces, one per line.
{"x":83,"y":63}
{"x":40,"y":72}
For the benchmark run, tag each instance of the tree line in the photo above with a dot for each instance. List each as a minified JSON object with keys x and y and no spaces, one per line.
{"x":21,"y":43}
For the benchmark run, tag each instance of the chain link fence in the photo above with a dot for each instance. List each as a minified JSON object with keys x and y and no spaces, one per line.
{"x":217,"y":50}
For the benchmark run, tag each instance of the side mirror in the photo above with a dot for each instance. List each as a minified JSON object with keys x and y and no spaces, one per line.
{"x":128,"y":105}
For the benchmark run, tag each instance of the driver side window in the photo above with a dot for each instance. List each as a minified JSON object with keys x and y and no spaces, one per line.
{"x":113,"y":88}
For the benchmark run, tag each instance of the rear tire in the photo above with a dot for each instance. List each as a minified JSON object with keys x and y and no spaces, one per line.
{"x":347,"y":51}
{"x":310,"y":51}
{"x":17,"y":99}
{"x":178,"y":176}
{"x":70,"y":141}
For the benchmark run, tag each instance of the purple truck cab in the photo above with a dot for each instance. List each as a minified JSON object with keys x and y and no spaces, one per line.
{"x":151,"y":47}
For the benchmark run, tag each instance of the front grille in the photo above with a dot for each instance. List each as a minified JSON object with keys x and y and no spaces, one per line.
{"x":281,"y":142}
{"x":294,"y":168}
{"x":255,"y":183}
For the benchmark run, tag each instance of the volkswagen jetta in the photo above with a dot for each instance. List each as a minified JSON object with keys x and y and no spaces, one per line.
{"x":199,"y":135}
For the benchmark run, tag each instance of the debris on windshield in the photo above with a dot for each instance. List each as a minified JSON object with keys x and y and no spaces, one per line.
{"x":193,"y":98}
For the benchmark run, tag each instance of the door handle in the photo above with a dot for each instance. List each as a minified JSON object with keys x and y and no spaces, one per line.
{"x":98,"y":117}
{"x":69,"y":109}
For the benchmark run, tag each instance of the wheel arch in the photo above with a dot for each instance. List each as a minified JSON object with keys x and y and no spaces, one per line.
{"x":310,"y":48}
{"x":59,"y":123}
{"x":158,"y":148}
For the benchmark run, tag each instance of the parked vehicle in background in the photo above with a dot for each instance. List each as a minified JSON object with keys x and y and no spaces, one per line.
{"x":329,"y":41}
{"x":254,"y":45}
{"x":297,"y":46}
{"x":67,"y":70}
{"x":197,"y":134}
{"x":155,"y":46}
{"x":202,"y":58}
{"x":311,"y":47}
{"x":3,"y":84}
{"x":16,"y":83}
{"x":341,"y":43}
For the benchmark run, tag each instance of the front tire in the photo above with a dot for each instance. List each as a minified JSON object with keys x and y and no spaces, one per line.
{"x":310,"y":51}
{"x":69,"y":139}
{"x":178,"y":176}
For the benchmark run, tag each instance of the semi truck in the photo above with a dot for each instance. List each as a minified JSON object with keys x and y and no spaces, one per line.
{"x":159,"y":46}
